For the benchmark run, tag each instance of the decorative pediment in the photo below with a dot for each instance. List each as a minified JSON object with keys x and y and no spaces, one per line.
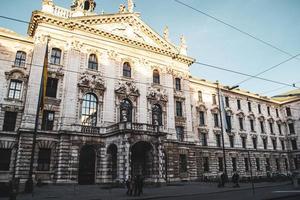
{"x":179,"y":95}
{"x":203,"y":130}
{"x":18,"y":74}
{"x":157,"y":94}
{"x":201,"y":107}
{"x":217,"y":131}
{"x":261,"y":118}
{"x":243,"y":134}
{"x":92,"y":81}
{"x":271,"y":120}
{"x":127,"y":88}
{"x":251,"y":116}
{"x":240,"y":114}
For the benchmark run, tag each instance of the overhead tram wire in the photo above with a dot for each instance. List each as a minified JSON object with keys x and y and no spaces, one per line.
{"x":244,"y":74}
{"x":268,"y":69}
{"x":279,"y":88}
{"x":236,"y":28}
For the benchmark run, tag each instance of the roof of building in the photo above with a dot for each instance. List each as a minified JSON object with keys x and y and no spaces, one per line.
{"x":288,"y":96}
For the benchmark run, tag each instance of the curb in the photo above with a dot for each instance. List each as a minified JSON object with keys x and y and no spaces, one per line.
{"x":195,"y":194}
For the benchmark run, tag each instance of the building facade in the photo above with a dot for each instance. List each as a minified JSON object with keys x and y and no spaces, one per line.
{"x":120,"y":101}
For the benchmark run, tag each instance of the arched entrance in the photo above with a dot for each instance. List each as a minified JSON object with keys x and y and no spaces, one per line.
{"x":112,"y":152}
{"x":86,"y":174}
{"x":142,"y":159}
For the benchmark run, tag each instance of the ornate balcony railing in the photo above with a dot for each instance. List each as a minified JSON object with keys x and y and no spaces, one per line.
{"x":122,"y":126}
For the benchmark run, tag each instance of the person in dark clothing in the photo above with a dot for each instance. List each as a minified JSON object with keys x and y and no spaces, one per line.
{"x":128,"y":186}
{"x":222,"y":180}
{"x":235,"y":179}
{"x":136,"y":185}
{"x":140,"y":185}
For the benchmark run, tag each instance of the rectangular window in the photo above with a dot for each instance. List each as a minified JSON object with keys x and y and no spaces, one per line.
{"x":202,"y":118}
{"x":15,"y":88}
{"x":268,"y":109}
{"x":44,"y":159}
{"x":257,"y":164}
{"x":218,"y":140}
{"x":227,"y":101}
{"x":10,"y":119}
{"x":254,"y":140}
{"x":182,"y":163}
{"x":279,"y":129}
{"x":178,"y":109}
{"x":259,"y":108}
{"x":214,"y":99}
{"x":220,"y":163}
{"x":291,"y":128}
{"x":200,"y":99}
{"x":238,"y":104}
{"x":206,"y":164}
{"x":233,"y":161}
{"x":249,"y":106}
{"x":180,"y":133}
{"x":252,"y":125}
{"x":268,"y":165}
{"x":271,"y":128}
{"x":277,"y":164}
{"x":246,"y":161}
{"x":55,"y":56}
{"x":228,"y":123}
{"x":265,"y":143}
{"x":282,"y":144}
{"x":241,"y":122}
{"x":288,"y":112}
{"x":243,"y":142}
{"x":216,"y":119}
{"x":48,"y":120}
{"x":296,"y":164}
{"x":274,"y":141}
{"x":204,"y":139}
{"x":277,"y":113}
{"x":286,"y":163}
{"x":231,"y":141}
{"x":178,"y":84}
{"x":294,"y":144}
{"x":51,"y":88}
{"x":262,"y":128}
{"x":5,"y":155}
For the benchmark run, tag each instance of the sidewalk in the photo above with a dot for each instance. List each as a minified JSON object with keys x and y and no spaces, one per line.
{"x":97,"y":192}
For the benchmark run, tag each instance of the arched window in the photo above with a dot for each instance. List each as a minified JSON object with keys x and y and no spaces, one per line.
{"x":126,"y":110}
{"x":93,"y":62}
{"x":55,"y":56}
{"x":156,"y":115}
{"x":89,"y":110}
{"x":156,"y":77}
{"x":126,"y":70}
{"x":177,"y":84}
{"x":20,"y":59}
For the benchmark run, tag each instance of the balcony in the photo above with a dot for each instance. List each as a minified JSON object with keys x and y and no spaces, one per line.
{"x":119,"y":127}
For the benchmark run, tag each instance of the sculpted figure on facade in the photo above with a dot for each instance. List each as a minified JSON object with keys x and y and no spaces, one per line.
{"x":91,"y":81}
{"x":122,"y":8}
{"x":157,"y":94}
{"x":127,"y":88}
{"x":166,"y":33}
{"x":130,"y":6}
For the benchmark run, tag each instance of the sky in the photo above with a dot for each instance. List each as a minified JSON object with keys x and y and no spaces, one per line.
{"x":274,"y":21}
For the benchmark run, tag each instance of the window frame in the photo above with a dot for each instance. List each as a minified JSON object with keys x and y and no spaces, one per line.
{"x":20,"y":59}
{"x":89,"y":103}
{"x":5,"y":160}
{"x":15,"y":88}
{"x":47,"y":124}
{"x":10,"y":121}
{"x":178,"y":84}
{"x":44,"y":159}
{"x":93,"y":62}
{"x":52,"y":87}
{"x":156,"y":77}
{"x":56,"y":56}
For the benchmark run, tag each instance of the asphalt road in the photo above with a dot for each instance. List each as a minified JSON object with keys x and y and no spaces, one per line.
{"x":280,"y":193}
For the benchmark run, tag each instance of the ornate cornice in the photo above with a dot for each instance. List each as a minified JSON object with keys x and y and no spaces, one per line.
{"x":82,"y":24}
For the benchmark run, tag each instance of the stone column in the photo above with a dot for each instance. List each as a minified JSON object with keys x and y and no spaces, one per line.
{"x":34,"y":82}
{"x":170,"y":107}
{"x":70,"y":95}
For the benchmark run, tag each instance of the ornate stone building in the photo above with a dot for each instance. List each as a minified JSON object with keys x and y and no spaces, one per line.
{"x":120,"y":101}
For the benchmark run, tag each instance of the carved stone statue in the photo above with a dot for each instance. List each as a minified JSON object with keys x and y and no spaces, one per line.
{"x":127,"y":88}
{"x":157,"y":94}
{"x":122,"y":8}
{"x":166,"y":33}
{"x":130,"y":6}
{"x":183,"y":46}
{"x":91,"y":81}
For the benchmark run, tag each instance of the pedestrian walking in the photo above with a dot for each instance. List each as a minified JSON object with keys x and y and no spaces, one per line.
{"x":128,"y":186}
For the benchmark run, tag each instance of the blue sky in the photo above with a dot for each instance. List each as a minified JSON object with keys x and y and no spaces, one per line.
{"x":275,"y":21}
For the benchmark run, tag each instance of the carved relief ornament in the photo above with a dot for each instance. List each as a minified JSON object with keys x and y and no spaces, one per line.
{"x":127,"y":88}
{"x":93,"y":82}
{"x":157,"y":94}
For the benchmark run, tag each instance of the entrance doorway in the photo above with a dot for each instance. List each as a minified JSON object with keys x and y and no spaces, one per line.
{"x":86,"y":175}
{"x":142,"y":159}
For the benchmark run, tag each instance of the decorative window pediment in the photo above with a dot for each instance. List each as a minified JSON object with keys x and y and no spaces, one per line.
{"x":127,"y":88}
{"x":91,"y":81}
{"x":157,"y":94}
{"x":17,"y":74}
